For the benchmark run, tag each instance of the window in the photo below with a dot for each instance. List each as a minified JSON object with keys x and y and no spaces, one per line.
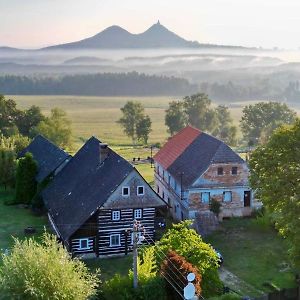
{"x":169,"y":179}
{"x":234,"y":170}
{"x":115,"y":240}
{"x":137,"y":214}
{"x":205,"y":197}
{"x":220,"y":171}
{"x":163,"y":195}
{"x":115,"y":215}
{"x":227,"y":196}
{"x":158,"y":170}
{"x":157,"y":189}
{"x":140,"y":190}
{"x":125,"y":191}
{"x":84,"y":244}
{"x":163,"y":175}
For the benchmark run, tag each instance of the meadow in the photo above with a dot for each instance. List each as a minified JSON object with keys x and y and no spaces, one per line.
{"x":98,"y":115}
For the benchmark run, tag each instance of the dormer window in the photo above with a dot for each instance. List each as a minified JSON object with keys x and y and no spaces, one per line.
{"x":140,"y":190}
{"x":234,"y":170}
{"x":220,"y":171}
{"x":125,"y":191}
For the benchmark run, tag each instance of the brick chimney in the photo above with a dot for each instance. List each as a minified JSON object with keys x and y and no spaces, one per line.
{"x":104,"y":150}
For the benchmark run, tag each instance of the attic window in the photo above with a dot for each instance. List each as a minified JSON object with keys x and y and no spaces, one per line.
{"x":220,"y":171}
{"x":234,"y":170}
{"x":125,"y":191}
{"x":140,"y":190}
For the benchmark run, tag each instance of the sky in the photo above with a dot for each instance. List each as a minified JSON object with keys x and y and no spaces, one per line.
{"x":258,"y":23}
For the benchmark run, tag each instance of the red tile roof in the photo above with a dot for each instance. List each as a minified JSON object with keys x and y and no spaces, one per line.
{"x":176,"y":146}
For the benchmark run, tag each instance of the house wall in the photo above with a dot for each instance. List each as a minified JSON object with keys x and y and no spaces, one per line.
{"x":190,"y":203}
{"x":108,"y":227}
{"x":229,"y":209}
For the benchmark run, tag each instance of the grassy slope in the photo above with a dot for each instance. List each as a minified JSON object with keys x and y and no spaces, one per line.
{"x":256,"y":255}
{"x":14,"y":219}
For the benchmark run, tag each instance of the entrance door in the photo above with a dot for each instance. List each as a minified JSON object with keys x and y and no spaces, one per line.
{"x":247,"y":198}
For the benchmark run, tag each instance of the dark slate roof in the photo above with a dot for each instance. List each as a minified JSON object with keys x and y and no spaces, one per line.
{"x":48,"y":156}
{"x":83,"y":186}
{"x":196,"y":158}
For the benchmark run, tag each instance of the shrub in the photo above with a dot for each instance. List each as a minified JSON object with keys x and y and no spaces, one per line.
{"x":175,"y":269}
{"x":45,"y":271}
{"x":25,"y":179}
{"x":215,"y":206}
{"x":188,"y":243}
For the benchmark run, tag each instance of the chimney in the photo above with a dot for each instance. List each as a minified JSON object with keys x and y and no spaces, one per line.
{"x":103,"y":152}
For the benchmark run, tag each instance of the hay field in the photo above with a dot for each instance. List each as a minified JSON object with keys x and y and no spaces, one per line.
{"x":98,"y":115}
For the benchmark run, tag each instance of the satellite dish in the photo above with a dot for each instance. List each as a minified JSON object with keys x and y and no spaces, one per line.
{"x":191,"y":277}
{"x":189,"y":291}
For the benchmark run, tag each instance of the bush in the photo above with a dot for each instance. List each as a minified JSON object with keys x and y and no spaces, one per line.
{"x":25,"y":179}
{"x":175,"y":269}
{"x":188,"y":243}
{"x":45,"y":271}
{"x":215,"y":206}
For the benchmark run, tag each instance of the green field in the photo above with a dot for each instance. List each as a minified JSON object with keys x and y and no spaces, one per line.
{"x":14,"y":219}
{"x":254,"y":254}
{"x":98,"y":115}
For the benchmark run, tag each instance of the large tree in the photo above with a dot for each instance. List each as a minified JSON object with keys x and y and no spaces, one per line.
{"x":45,"y":271}
{"x":225,"y":130}
{"x":275,"y":173}
{"x":7,"y":165}
{"x":8,"y":115}
{"x":175,"y":118}
{"x":259,"y":120}
{"x":197,"y":110}
{"x":28,"y":119}
{"x":135,"y":123}
{"x":57,"y":128}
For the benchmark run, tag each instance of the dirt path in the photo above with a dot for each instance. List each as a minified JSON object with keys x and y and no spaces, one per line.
{"x":237,"y":284}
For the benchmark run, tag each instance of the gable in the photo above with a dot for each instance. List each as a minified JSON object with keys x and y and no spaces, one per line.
{"x":132,"y":181}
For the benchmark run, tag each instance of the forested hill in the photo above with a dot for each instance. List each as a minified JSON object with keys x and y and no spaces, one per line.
{"x":106,"y":84}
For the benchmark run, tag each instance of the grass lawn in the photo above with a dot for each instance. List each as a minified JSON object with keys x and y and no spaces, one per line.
{"x":256,"y":255}
{"x":13,"y":220}
{"x":111,"y":266}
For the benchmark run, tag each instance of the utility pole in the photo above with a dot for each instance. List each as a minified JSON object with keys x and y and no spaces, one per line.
{"x":181,"y":190}
{"x":136,"y":239}
{"x":151,"y":156}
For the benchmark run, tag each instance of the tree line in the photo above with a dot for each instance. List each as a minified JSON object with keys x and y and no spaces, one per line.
{"x":257,"y":123}
{"x":105,"y":84}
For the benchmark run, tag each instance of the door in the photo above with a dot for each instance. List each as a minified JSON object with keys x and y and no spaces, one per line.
{"x":247,"y":198}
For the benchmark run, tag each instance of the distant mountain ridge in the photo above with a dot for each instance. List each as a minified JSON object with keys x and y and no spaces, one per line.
{"x":115,"y":37}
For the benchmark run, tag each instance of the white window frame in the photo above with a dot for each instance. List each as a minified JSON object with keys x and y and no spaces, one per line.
{"x":115,"y":215}
{"x":205,"y":193}
{"x":87,"y":244}
{"x":137,"y":190}
{"x":125,"y":187}
{"x":139,"y":211}
{"x":227,"y":192}
{"x":110,"y":240}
